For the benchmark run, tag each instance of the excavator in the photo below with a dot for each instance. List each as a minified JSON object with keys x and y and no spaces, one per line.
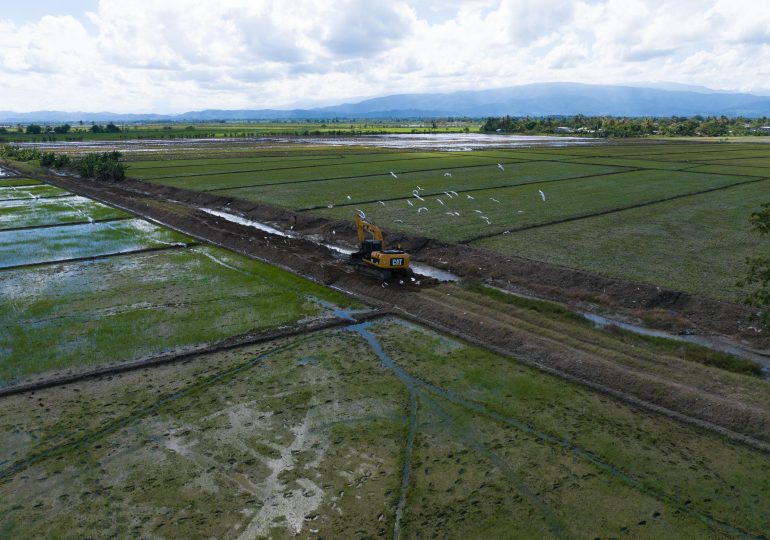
{"x":372,"y":259}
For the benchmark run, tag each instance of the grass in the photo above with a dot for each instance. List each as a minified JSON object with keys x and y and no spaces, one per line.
{"x":698,"y":244}
{"x":40,"y":245}
{"x":37,"y":212}
{"x":121,"y":308}
{"x":30,"y":192}
{"x":577,"y":180}
{"x":500,"y":450}
{"x":15,"y":181}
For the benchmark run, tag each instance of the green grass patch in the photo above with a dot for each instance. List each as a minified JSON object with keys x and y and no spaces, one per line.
{"x":123,"y":308}
{"x":33,"y":246}
{"x":36,"y":212}
{"x":687,"y":351}
{"x":698,"y":244}
{"x":16,"y":181}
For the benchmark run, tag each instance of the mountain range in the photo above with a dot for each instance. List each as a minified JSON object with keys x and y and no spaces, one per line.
{"x":541,"y":99}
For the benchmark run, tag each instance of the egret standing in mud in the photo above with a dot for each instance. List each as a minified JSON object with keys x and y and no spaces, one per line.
{"x":393,"y":174}
{"x":500,"y":166}
{"x":495,"y":200}
{"x":542,"y":195}
{"x":420,"y":209}
{"x":448,"y":174}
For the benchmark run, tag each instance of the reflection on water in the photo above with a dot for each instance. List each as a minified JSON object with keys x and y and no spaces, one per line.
{"x":456,"y":142}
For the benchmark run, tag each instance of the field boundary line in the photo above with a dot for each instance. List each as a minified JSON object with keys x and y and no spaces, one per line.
{"x":38,"y":198}
{"x":470,"y":190}
{"x":68,"y":224}
{"x":593,"y":385}
{"x":181,"y":245}
{"x":609,"y":211}
{"x":308,"y":180}
{"x":227,"y":344}
{"x":193,"y":175}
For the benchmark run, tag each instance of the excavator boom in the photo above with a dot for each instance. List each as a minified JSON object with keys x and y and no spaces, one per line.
{"x":372,"y":258}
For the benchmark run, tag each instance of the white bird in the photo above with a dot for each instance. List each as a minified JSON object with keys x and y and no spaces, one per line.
{"x":361,"y":213}
{"x":447,"y":174}
{"x":418,"y":187}
{"x":393,"y":174}
{"x":450,"y":213}
{"x":410,"y":202}
{"x":542,"y":195}
{"x":420,"y":198}
{"x":493,"y":199}
{"x":448,"y":195}
{"x":500,"y":166}
{"x":348,"y":197}
{"x":382,"y":203}
{"x":398,"y":220}
{"x":471,"y":198}
{"x":420,"y":209}
{"x":334,"y":231}
{"x":457,"y":214}
{"x":454,"y":193}
{"x":329,"y":206}
{"x":440,"y":202}
{"x":520,"y":212}
{"x":478,"y":211}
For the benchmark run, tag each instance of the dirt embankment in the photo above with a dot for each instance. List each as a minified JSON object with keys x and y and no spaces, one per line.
{"x":712,"y":406}
{"x":673,"y":310}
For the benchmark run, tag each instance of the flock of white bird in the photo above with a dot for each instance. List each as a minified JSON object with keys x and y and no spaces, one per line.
{"x":416,"y":193}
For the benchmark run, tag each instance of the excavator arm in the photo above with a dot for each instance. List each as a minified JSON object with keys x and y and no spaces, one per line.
{"x":364,"y":225}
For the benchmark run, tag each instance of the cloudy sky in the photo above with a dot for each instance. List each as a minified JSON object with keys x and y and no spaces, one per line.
{"x":171,"y":56}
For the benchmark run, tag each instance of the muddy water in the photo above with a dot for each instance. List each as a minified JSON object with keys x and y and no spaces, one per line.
{"x":705,"y":341}
{"x":419,"y":268}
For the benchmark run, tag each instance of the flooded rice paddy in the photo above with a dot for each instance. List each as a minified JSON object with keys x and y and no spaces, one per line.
{"x":383,"y":429}
{"x":82,"y":284}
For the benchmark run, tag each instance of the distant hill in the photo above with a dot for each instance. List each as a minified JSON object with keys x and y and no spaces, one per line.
{"x":543,"y":99}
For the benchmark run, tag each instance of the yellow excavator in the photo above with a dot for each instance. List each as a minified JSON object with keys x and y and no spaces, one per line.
{"x":372,"y":259}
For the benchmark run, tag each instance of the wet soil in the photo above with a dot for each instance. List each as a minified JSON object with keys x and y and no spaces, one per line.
{"x":717,"y":409}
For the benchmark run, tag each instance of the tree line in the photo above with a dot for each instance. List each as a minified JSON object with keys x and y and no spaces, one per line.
{"x":104,"y":166}
{"x":612,"y":126}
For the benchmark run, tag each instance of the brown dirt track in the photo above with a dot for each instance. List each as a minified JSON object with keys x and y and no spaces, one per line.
{"x":729,"y":406}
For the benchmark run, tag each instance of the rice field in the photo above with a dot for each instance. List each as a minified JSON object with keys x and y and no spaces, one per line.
{"x":502,"y":199}
{"x":364,"y":431}
{"x":83,"y":284}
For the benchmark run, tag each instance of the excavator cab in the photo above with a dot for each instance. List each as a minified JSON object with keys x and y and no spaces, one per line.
{"x":372,"y":258}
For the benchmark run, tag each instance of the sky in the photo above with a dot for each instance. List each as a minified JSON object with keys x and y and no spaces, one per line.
{"x":171,"y":56}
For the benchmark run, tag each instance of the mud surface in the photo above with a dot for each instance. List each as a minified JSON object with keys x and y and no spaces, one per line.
{"x":702,"y":402}
{"x":697,"y":313}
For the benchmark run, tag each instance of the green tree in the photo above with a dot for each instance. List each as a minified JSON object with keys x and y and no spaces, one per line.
{"x":34,"y":129}
{"x":758,"y":274}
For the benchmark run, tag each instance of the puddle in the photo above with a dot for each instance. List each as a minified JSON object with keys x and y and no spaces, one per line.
{"x":3,"y":172}
{"x":704,"y":341}
{"x":419,"y":268}
{"x":247,"y":222}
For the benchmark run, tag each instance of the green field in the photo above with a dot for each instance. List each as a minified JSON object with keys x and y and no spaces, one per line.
{"x":38,"y":212}
{"x":645,"y":191}
{"x":8,"y":192}
{"x":136,"y":276}
{"x":310,"y":436}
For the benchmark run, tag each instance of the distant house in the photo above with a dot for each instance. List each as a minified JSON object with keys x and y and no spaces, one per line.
{"x":564,"y":129}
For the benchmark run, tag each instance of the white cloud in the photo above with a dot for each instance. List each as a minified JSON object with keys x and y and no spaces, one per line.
{"x":176,"y":55}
